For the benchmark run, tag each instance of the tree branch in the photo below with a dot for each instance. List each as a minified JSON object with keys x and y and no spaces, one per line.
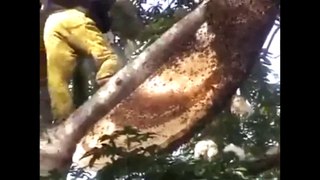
{"x":67,"y":135}
{"x":261,"y":165}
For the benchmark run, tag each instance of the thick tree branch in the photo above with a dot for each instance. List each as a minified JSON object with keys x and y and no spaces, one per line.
{"x":261,"y":165}
{"x":120,"y":85}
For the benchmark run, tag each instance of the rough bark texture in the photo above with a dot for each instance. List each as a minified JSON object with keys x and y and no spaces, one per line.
{"x":204,"y":68}
{"x":263,"y":164}
{"x":126,"y":22}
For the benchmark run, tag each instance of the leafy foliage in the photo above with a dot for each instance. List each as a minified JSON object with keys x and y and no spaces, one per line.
{"x":111,"y":150}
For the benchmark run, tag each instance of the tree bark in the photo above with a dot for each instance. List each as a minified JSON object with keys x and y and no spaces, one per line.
{"x":263,"y":164}
{"x":65,"y":137}
{"x":126,"y":22}
{"x":205,"y":67}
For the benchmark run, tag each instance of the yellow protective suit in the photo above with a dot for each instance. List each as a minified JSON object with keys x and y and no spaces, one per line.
{"x":67,"y":34}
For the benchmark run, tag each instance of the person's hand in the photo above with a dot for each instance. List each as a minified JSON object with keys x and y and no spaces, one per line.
{"x":102,"y":81}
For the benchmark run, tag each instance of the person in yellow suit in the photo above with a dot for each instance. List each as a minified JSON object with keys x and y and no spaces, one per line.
{"x":75,"y":29}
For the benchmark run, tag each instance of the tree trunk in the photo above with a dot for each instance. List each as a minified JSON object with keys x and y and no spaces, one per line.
{"x":204,"y":67}
{"x":263,"y":164}
{"x":126,"y":22}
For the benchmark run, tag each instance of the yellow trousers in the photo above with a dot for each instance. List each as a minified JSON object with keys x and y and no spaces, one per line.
{"x":66,"y":35}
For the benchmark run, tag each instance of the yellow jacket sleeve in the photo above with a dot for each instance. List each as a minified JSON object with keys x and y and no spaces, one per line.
{"x":89,"y":38}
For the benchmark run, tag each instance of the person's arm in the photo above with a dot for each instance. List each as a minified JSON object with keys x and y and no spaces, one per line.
{"x":89,"y":39}
{"x":103,"y":53}
{"x":102,"y":81}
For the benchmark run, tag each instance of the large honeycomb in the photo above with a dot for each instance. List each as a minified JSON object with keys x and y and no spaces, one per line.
{"x":195,"y":79}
